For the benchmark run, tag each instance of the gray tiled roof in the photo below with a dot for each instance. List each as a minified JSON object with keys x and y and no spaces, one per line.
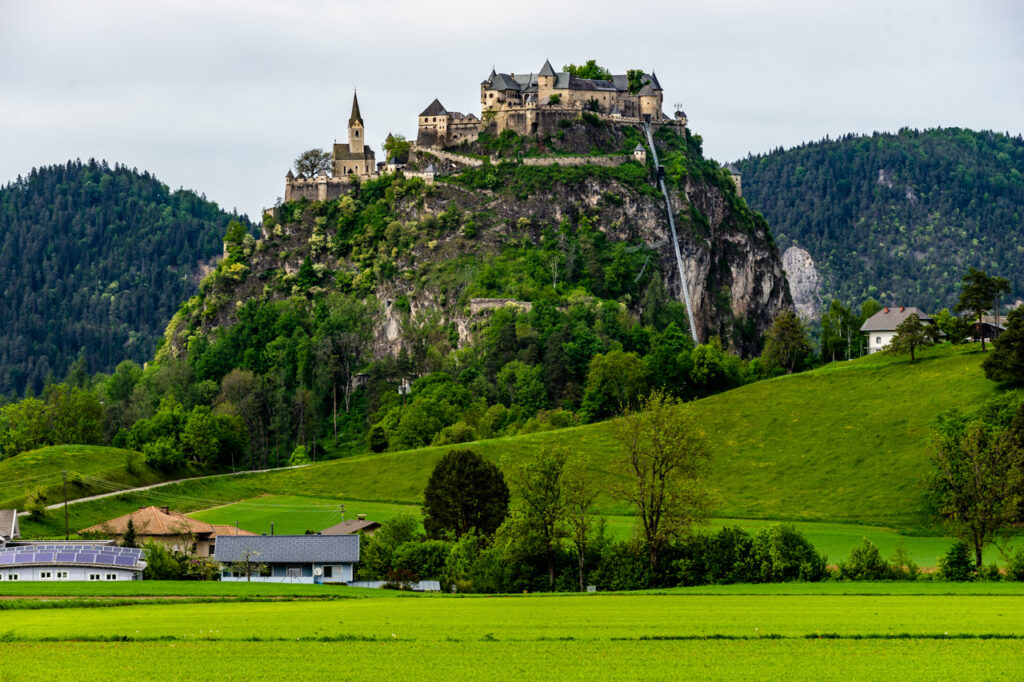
{"x":283,"y":549}
{"x":887,"y":319}
{"x":435,"y":108}
{"x":546,"y":70}
{"x":503,"y":81}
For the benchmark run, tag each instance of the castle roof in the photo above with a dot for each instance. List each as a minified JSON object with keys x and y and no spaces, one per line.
{"x":546,"y":70}
{"x":639,"y":147}
{"x":430,"y":168}
{"x":654,"y":81}
{"x":732,"y":169}
{"x":435,"y":108}
{"x":355,"y":117}
{"x":343,"y":152}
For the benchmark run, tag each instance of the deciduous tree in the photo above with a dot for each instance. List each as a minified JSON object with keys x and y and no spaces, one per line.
{"x":542,"y":502}
{"x":312,"y":162}
{"x":910,"y":334}
{"x":663,"y":450}
{"x":465,"y":493}
{"x":979,"y":293}
{"x":1006,"y":363}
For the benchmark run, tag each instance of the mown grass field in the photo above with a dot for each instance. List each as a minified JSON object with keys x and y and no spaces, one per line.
{"x":717,"y":634}
{"x":297,"y":514}
{"x":41,"y":469}
{"x":843,"y":444}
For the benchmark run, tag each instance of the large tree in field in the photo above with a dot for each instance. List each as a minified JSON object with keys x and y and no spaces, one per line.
{"x":979,"y":293}
{"x":465,"y":493}
{"x":978,"y":471}
{"x":786,"y":342}
{"x":1006,"y":363}
{"x":911,"y":333}
{"x":542,"y":503}
{"x":312,"y":162}
{"x":663,"y":450}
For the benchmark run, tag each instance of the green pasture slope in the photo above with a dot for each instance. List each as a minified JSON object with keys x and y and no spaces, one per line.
{"x":839,"y":447}
{"x":718,"y":634}
{"x":35,"y":469}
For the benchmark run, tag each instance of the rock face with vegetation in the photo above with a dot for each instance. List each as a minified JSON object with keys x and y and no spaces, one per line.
{"x":506,"y":230}
{"x":897,"y":217}
{"x":93,"y":260}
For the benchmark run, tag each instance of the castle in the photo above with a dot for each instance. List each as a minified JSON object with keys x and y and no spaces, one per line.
{"x":349,"y":160}
{"x":535,"y":103}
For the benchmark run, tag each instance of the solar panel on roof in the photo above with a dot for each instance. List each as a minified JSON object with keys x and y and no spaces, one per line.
{"x":23,"y":558}
{"x":66,"y":556}
{"x":124,"y":561}
{"x":86,"y":558}
{"x":6,"y":558}
{"x":44,"y":556}
{"x":105,"y":559}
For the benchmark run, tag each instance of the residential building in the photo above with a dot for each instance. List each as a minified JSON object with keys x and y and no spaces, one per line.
{"x":289,"y":558}
{"x":172,"y":529}
{"x":881,"y":327}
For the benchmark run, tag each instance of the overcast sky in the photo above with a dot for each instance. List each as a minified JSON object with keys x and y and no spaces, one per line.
{"x":220,"y":95}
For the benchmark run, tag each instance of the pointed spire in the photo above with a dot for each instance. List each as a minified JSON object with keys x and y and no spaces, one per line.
{"x":493,"y":74}
{"x":355,"y":111}
{"x":546,"y":70}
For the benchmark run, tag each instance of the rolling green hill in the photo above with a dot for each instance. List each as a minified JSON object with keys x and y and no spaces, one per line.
{"x":41,"y":470}
{"x":844,"y":443}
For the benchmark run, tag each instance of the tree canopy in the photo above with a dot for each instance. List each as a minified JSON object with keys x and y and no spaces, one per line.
{"x":590,"y":70}
{"x":465,"y":493}
{"x":313,"y":162}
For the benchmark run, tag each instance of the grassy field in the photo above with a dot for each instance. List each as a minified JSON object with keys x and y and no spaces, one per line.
{"x":29,"y":471}
{"x":297,"y":514}
{"x":714,"y":635}
{"x":841,"y":444}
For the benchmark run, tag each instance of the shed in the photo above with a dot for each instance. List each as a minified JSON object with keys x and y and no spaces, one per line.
{"x":352,"y":526}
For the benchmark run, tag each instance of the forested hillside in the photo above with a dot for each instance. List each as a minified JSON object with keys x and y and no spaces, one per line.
{"x":898,"y":217}
{"x":94,"y":260}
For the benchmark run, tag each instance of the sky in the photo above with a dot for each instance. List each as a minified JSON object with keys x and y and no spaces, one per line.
{"x":220,"y":96}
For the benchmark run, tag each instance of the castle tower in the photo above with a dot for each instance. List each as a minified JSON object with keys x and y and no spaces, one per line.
{"x":355,"y":128}
{"x":545,"y":83}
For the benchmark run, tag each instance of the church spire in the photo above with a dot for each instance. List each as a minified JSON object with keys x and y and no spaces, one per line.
{"x":356,"y":116}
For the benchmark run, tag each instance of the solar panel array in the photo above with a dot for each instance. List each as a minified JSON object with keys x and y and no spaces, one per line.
{"x":106,"y":555}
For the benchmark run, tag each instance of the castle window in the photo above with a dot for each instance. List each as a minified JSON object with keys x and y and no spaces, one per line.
{"x":356,"y":133}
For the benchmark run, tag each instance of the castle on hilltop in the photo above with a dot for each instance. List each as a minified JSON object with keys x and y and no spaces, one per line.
{"x":350,"y":160}
{"x":535,"y":103}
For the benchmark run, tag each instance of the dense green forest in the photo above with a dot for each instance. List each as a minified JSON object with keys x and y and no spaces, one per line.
{"x":94,"y":260}
{"x":897,"y":217}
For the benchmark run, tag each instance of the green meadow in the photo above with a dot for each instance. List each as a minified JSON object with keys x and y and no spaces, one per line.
{"x":711,"y":634}
{"x":840,"y":450}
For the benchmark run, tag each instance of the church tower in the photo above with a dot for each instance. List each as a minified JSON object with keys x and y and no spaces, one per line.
{"x":355,"y":128}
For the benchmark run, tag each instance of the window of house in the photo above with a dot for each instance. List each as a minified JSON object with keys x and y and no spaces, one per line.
{"x":12,"y":576}
{"x":878,"y":339}
{"x":111,"y":576}
{"x":328,"y":571}
{"x":45,"y":575}
{"x":94,"y":576}
{"x":62,"y":575}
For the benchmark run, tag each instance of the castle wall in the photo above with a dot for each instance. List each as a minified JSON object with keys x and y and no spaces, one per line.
{"x":316,"y":189}
{"x":607,"y":161}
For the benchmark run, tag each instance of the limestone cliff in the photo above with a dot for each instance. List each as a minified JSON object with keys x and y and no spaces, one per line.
{"x":435,"y":250}
{"x":804,"y":282}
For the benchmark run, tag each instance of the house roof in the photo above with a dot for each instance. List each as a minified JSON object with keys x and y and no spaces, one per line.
{"x":152,"y":521}
{"x":221,"y":530}
{"x":9,"y":524}
{"x":283,"y":549}
{"x":887,"y":319}
{"x":435,"y":108}
{"x":350,"y":526}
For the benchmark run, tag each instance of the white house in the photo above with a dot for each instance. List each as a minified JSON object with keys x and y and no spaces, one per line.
{"x":290,"y":558}
{"x":881,"y":327}
{"x":54,"y":560}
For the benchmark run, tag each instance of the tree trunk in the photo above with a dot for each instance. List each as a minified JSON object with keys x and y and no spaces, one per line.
{"x":582,"y":560}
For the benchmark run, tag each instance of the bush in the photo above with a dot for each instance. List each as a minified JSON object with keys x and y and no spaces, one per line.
{"x":426,"y":559}
{"x":1015,"y":566}
{"x":865,"y":563}
{"x":721,"y":559}
{"x":459,"y":432}
{"x":990,"y":573}
{"x":298,"y":456}
{"x":903,"y":567}
{"x":782,"y":554}
{"x":956,"y":564}
{"x":378,"y":438}
{"x":623,"y":566}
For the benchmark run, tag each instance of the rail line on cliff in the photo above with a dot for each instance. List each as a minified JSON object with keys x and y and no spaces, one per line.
{"x":672,"y":224}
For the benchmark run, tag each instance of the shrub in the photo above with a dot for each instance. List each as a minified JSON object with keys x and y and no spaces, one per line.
{"x":865,"y":563}
{"x":722,"y":559}
{"x":781,"y":554}
{"x":990,"y":573}
{"x":459,"y":432}
{"x":1015,"y":566}
{"x":378,"y":438}
{"x":956,"y":564}
{"x":298,"y":456}
{"x":623,"y":566}
{"x":903,"y":567}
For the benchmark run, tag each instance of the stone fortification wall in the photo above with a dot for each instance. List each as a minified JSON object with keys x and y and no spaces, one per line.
{"x":608,"y":160}
{"x":483,"y":305}
{"x":460,"y":159}
{"x":316,"y":189}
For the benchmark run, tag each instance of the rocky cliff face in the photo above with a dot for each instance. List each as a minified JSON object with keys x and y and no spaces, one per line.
{"x":733,"y":269}
{"x":804,"y":282}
